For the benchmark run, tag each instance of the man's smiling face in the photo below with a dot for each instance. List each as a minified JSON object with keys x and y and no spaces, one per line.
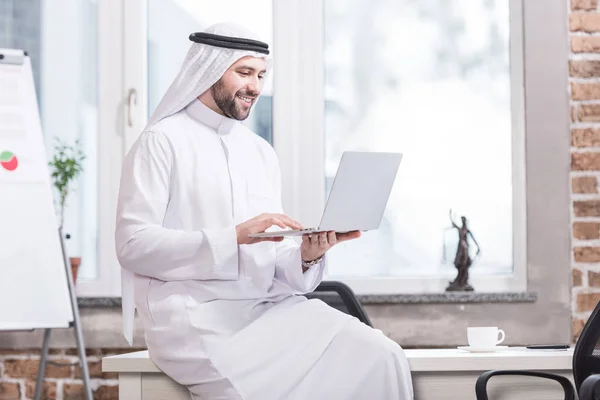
{"x":239,"y":87}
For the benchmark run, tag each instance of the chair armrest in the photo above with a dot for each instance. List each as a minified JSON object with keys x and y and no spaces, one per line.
{"x":586,"y":391}
{"x":348,"y":297}
{"x":481,"y":384}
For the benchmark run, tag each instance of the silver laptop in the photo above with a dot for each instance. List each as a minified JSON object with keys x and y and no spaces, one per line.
{"x":359,"y":194}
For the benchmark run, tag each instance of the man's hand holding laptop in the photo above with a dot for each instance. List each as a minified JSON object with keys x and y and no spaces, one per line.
{"x":314,"y":244}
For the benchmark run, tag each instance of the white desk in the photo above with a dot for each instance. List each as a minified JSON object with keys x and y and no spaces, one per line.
{"x":438,"y":374}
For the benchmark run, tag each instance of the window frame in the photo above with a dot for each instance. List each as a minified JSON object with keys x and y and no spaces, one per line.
{"x":110,"y":149}
{"x":299,"y":131}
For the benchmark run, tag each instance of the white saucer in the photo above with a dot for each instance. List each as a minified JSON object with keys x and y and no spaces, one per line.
{"x":482,"y":349}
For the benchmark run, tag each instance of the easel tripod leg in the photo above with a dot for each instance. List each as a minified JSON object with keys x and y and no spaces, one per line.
{"x":77,"y":323}
{"x":82,"y":362}
{"x":42,"y":368}
{"x":82,"y":359}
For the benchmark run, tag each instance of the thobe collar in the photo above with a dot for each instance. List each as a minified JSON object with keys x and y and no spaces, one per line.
{"x":201,"y":113}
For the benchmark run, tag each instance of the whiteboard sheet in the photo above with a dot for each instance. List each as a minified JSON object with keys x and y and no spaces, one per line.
{"x":22,"y":157}
{"x":34,"y":292}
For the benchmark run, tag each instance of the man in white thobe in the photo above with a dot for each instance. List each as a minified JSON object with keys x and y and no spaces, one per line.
{"x":223,"y":313}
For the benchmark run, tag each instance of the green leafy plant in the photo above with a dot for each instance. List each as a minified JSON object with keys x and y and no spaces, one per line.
{"x":66,"y":165}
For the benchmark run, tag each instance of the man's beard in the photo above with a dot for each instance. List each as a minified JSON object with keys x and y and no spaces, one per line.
{"x":227,"y":104}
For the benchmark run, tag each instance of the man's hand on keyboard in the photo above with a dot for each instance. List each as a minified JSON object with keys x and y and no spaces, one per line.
{"x":260,"y":224}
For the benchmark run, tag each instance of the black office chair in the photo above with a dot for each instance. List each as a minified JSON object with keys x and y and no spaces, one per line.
{"x":586,"y":363}
{"x":325,"y":291}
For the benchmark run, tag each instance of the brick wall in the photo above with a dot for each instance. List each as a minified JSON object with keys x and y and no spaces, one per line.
{"x":584,"y":82}
{"x":18,"y":371}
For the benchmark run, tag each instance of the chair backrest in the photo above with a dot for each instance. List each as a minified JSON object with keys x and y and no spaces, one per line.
{"x":586,"y":356}
{"x":339,"y":295}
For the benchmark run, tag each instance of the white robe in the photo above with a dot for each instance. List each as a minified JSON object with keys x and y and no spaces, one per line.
{"x":228,"y":320}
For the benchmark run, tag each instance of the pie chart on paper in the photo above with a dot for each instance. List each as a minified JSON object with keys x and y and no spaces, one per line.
{"x":8,"y":161}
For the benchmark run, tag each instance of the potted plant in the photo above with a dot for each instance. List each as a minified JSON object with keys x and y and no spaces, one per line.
{"x":66,"y":165}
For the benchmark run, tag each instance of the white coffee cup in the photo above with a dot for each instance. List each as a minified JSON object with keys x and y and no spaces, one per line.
{"x":485,"y":336}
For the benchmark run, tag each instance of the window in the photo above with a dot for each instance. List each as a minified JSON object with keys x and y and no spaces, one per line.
{"x":61,"y":39}
{"x":431,"y":80}
{"x":441,"y":82}
{"x":69,"y":111}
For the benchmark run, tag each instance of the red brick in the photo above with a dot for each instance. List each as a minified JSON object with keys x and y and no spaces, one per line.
{"x":107,"y":393}
{"x":59,"y":371}
{"x":10,"y":391}
{"x":29,"y":369}
{"x":589,"y":161}
{"x":48,"y":391}
{"x":584,"y":22}
{"x":593,"y":279}
{"x":73,"y":391}
{"x":95,"y":369}
{"x":587,"y":137}
{"x":573,"y":113}
{"x":587,"y":254}
{"x":585,"y":91}
{"x":586,"y":208}
{"x":584,"y":68}
{"x":578,"y":325}
{"x":89,"y":352}
{"x":21,"y":368}
{"x":585,"y":44}
{"x":584,"y":184}
{"x":589,"y":112}
{"x":577,"y":275}
{"x":586,"y":230}
{"x":584,"y":5}
{"x":587,"y":301}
